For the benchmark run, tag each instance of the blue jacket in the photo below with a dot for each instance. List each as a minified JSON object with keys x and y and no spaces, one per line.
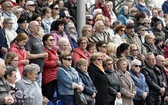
{"x":67,"y":79}
{"x":141,"y":85}
{"x":165,"y":7}
{"x":143,"y":8}
{"x":3,"y":42}
{"x":89,"y":88}
{"x":122,"y":16}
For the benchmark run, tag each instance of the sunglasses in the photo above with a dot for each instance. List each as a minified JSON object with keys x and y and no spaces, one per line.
{"x":110,"y":64}
{"x":147,"y":23}
{"x":100,"y":59}
{"x":135,"y":50}
{"x":56,"y":8}
{"x":137,"y":65}
{"x":143,"y":30}
{"x":122,"y":30}
{"x":68,"y":59}
{"x":104,"y":46}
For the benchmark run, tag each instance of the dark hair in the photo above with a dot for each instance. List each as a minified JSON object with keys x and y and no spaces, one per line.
{"x":99,"y":44}
{"x":55,"y":24}
{"x":140,"y":15}
{"x":9,"y":70}
{"x":53,"y":4}
{"x":90,"y":45}
{"x":121,"y":49}
{"x":21,"y":19}
{"x":158,"y":39}
{"x":45,"y":10}
{"x":35,"y":16}
{"x":119,"y":27}
{"x":45,"y":37}
{"x":17,"y":1}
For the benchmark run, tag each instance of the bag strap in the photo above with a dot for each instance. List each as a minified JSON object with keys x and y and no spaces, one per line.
{"x":67,"y":74}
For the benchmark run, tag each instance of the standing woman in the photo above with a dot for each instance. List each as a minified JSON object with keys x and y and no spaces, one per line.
{"x":51,"y":64}
{"x":17,"y":46}
{"x":68,"y":80}
{"x":114,"y":81}
{"x":99,"y":78}
{"x":128,"y":90}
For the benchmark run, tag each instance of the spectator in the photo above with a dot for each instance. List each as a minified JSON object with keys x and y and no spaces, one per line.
{"x":17,"y":11}
{"x":165,"y":49}
{"x":133,"y":11}
{"x":89,"y":87}
{"x":154,"y":17}
{"x":150,"y":44}
{"x":165,"y":7}
{"x":7,"y":7}
{"x":99,"y":34}
{"x":23,"y":26}
{"x":37,"y":17}
{"x":159,"y":44}
{"x":132,"y":38}
{"x":9,"y":33}
{"x":35,"y":48}
{"x":141,"y":33}
{"x":157,"y":30}
{"x":128,"y":91}
{"x":68,"y":80}
{"x":123,"y":15}
{"x":141,"y":6}
{"x":81,"y":51}
{"x":102,"y":48}
{"x":54,"y":12}
{"x":89,"y":20}
{"x":57,"y":30}
{"x":153,"y":79}
{"x":20,"y":3}
{"x":99,"y":78}
{"x":142,"y":89}
{"x":63,"y":44}
{"x":29,"y":87}
{"x":147,"y":24}
{"x":139,"y":19}
{"x":91,"y":48}
{"x":40,"y":4}
{"x":5,"y":97}
{"x":114,"y":84}
{"x":87,"y":31}
{"x":118,"y":38}
{"x":51,"y":65}
{"x":17,"y":46}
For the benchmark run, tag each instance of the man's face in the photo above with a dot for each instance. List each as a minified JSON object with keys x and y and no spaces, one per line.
{"x":130,"y":31}
{"x":100,"y":28}
{"x":151,"y":61}
{"x":160,"y":62}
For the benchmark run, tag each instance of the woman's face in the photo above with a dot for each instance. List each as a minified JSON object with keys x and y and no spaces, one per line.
{"x":61,"y":27}
{"x":83,"y":67}
{"x":103,"y":48}
{"x":50,"y":41}
{"x":83,"y":44}
{"x":39,"y":20}
{"x":55,"y":10}
{"x":88,"y":32}
{"x":23,"y":42}
{"x":33,"y":76}
{"x":123,"y":65}
{"x":8,"y":8}
{"x":14,"y":62}
{"x":67,"y":61}
{"x":109,"y":65}
{"x":9,"y":24}
{"x":121,"y":31}
{"x":136,"y":68}
{"x":98,"y":61}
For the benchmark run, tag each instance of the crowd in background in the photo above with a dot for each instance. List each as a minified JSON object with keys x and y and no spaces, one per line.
{"x":121,"y":55}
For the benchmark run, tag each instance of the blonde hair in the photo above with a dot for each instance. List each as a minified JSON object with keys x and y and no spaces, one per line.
{"x":95,"y":56}
{"x":100,"y":17}
{"x":81,"y":61}
{"x":111,"y":47}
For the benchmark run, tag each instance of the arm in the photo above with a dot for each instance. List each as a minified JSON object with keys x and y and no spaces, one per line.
{"x":34,"y":56}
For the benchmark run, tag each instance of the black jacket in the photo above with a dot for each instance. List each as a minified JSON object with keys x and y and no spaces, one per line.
{"x":153,"y":79}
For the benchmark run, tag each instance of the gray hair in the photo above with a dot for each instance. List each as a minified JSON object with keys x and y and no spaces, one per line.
{"x":30,"y":69}
{"x":6,"y":20}
{"x":97,"y":23}
{"x":147,"y":55}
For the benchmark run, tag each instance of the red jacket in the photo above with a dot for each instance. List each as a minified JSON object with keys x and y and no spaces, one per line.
{"x":21,"y":55}
{"x":165,"y":51}
{"x":78,"y":53}
{"x":50,"y":68}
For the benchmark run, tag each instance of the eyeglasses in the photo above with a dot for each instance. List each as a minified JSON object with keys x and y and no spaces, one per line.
{"x":100,"y":59}
{"x":56,"y":8}
{"x":122,"y":30}
{"x":10,"y":23}
{"x":32,"y":5}
{"x":104,"y":46}
{"x":83,"y":43}
{"x":68,"y":59}
{"x":137,"y":65}
{"x":110,"y":64}
{"x":134,"y":50}
{"x":143,"y":30}
{"x":89,"y":19}
{"x":51,"y":40}
{"x":9,"y":6}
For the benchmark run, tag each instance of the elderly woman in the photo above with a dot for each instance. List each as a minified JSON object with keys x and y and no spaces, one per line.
{"x":99,"y":78}
{"x":114,"y":81}
{"x":81,"y":52}
{"x":63,"y":44}
{"x":7,"y":7}
{"x":89,"y":88}
{"x":51,"y":64}
{"x":118,"y":39}
{"x":10,"y":34}
{"x":31,"y":90}
{"x":87,"y":31}
{"x":128,"y":90}
{"x":68,"y":80}
{"x":140,"y":83}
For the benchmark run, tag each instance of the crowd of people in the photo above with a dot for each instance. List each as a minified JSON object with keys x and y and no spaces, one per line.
{"x":120,"y":55}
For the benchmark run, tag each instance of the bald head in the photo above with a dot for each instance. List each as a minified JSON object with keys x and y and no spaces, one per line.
{"x":34,"y":27}
{"x":160,"y":61}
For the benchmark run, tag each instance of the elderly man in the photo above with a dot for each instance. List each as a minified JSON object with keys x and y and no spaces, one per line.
{"x":99,"y":34}
{"x":35,"y":48}
{"x":160,"y":62}
{"x":5,"y":97}
{"x":154,"y":80}
{"x":132,"y":38}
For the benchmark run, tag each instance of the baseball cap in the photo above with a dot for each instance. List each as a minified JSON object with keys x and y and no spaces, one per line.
{"x":130,"y":25}
{"x":89,"y":17}
{"x":65,"y":14}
